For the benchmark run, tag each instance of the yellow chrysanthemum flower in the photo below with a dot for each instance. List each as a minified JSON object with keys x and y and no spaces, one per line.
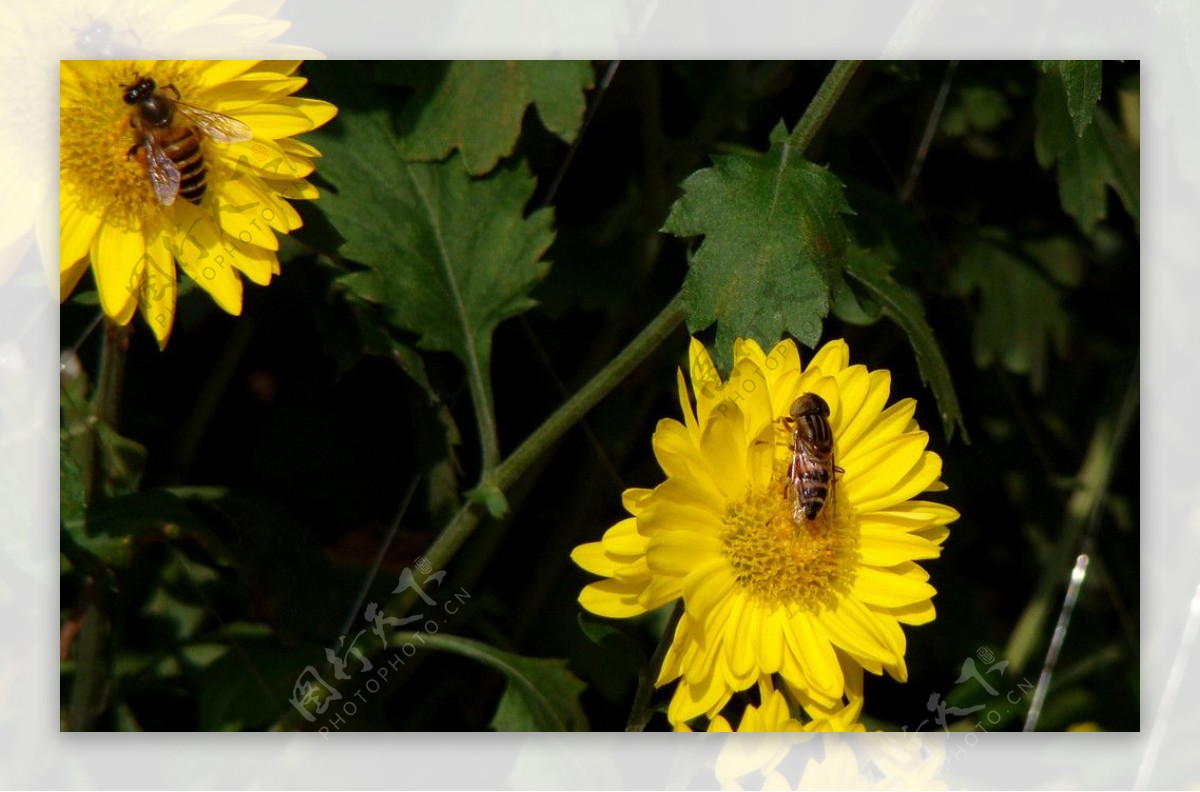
{"x":111,"y":217}
{"x":764,"y":594}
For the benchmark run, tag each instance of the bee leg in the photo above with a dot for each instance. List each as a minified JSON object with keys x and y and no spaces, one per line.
{"x":174,"y":90}
{"x":132,"y":150}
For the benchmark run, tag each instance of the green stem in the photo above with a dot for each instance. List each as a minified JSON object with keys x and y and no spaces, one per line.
{"x":107,"y":399}
{"x":550,"y":432}
{"x":822,"y":104}
{"x":90,"y":686}
{"x":487,"y":655}
{"x":103,"y":409}
{"x":485,"y":417}
{"x":659,"y":329}
{"x":89,"y":689}
{"x":639,"y":716}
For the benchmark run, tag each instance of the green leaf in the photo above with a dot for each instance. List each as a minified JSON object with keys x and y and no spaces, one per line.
{"x":1124,"y":168}
{"x":113,"y":527}
{"x":88,"y":442}
{"x":123,"y":461}
{"x":856,"y":308}
{"x":975,"y":107}
{"x":610,"y":639}
{"x":476,"y":107}
{"x":1020,"y":311}
{"x":872,"y":273}
{"x":773,"y":238}
{"x":884,"y":225}
{"x":1061,"y":257}
{"x":71,"y":490}
{"x":1082,"y":81}
{"x":448,"y":256}
{"x":540,"y":694}
{"x":599,"y":632}
{"x":1100,"y":156}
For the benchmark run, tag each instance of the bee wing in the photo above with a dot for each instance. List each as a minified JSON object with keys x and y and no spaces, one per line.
{"x":164,"y":176}
{"x":220,"y":128}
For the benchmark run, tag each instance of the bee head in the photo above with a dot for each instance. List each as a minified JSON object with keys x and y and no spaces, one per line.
{"x":809,"y":404}
{"x":139,"y":89}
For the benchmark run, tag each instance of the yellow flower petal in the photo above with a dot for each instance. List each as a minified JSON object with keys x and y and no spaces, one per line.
{"x":884,"y":545}
{"x":675,"y":450}
{"x":781,"y":365}
{"x":77,"y":229}
{"x":159,"y":289}
{"x":723,"y":446}
{"x":706,"y":585}
{"x":212,"y":74}
{"x":831,"y":358}
{"x":892,"y":457}
{"x":887,"y":589}
{"x":200,"y":250}
{"x":611,"y":599}
{"x":675,"y":553}
{"x":252,"y":89}
{"x":255,"y":263}
{"x":69,"y":275}
{"x":813,"y":666}
{"x":771,"y":640}
{"x":739,"y":656}
{"x":285,"y":117}
{"x":284,"y":67}
{"x":863,"y":415}
{"x":693,"y":699}
{"x":888,"y":464}
{"x":118,"y":258}
{"x":928,"y":468}
{"x":915,"y":614}
{"x":592,"y":558}
{"x":298,"y":149}
{"x":242,"y":214}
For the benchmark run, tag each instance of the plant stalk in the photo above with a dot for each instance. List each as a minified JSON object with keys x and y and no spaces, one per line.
{"x":464,"y":522}
{"x":822,"y":104}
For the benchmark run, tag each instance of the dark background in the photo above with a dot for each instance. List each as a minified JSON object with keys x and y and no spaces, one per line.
{"x":319,"y":439}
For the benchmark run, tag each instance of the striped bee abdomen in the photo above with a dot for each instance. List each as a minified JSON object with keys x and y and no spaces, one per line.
{"x":183,"y":148}
{"x":812,"y":467}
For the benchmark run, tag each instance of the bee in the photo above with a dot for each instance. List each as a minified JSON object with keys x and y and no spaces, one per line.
{"x":812,"y":472}
{"x":173,"y":157}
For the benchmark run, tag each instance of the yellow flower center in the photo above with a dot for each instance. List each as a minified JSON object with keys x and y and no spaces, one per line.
{"x":779,"y":561}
